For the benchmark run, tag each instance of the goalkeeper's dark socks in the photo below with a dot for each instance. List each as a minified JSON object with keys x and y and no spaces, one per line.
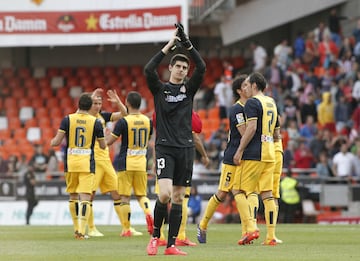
{"x":160,"y":212}
{"x":174,"y":223}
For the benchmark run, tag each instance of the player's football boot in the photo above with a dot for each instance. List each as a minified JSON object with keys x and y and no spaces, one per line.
{"x":95,"y":233}
{"x":271,"y":242}
{"x":249,"y":237}
{"x":174,"y":251}
{"x":184,"y":242}
{"x":201,"y":235}
{"x":152,"y":247}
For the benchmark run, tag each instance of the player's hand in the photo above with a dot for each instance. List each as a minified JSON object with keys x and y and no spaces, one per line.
{"x":205,"y":160}
{"x":112,"y":96}
{"x":184,"y":39}
{"x":97,"y":92}
{"x":237,"y":158}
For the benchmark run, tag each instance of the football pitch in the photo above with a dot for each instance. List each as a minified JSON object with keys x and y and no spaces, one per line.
{"x":301,"y":242}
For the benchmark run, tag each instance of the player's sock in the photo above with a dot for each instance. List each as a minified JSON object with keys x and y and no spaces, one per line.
{"x":160,"y":211}
{"x":125,"y":213}
{"x":118,"y":208}
{"x":74,"y":210}
{"x":174,"y":223}
{"x":270,"y":217}
{"x":145,"y":205}
{"x":91,"y":224}
{"x":84,"y":212}
{"x":242,"y":204}
{"x":213,"y":203}
{"x":162,"y":235}
{"x":184,"y":218}
{"x":254,"y":206}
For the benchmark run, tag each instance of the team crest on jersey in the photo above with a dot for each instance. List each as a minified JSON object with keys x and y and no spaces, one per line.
{"x":183,"y":89}
{"x":240,"y":118}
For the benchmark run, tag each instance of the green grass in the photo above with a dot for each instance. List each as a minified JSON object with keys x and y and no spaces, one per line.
{"x":301,"y":242}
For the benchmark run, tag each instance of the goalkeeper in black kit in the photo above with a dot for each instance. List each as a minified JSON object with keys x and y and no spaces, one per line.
{"x":174,"y":146}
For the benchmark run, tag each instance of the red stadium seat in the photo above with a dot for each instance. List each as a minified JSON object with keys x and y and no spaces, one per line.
{"x":82,"y":72}
{"x":24,"y":102}
{"x":53,"y":102}
{"x":30,"y":83}
{"x":109,"y":71}
{"x":67,"y":72}
{"x":12,"y":113}
{"x":33,"y":93}
{"x":123,"y":71}
{"x":41,"y":113}
{"x":24,"y":73}
{"x":18,"y":93}
{"x":44,"y":83}
{"x":8,"y":73}
{"x":53,"y":72}
{"x":136,"y":70}
{"x":96,"y":71}
{"x":19,"y":133}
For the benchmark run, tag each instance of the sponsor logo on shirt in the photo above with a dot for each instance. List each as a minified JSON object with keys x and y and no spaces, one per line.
{"x":240,"y":118}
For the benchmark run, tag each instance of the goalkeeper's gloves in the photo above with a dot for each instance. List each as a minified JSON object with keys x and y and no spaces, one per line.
{"x":184,"y":39}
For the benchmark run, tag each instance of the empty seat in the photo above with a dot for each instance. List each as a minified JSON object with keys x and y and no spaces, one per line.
{"x":57,"y":82}
{"x":39,"y":72}
{"x":26,"y":113}
{"x":75,"y":91}
{"x":31,"y":123}
{"x":3,"y":123}
{"x":19,"y":133}
{"x":41,"y":113}
{"x":24,"y":102}
{"x":14,"y":123}
{"x":24,"y":73}
{"x":33,"y":134}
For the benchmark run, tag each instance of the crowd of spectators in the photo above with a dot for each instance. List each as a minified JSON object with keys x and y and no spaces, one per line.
{"x":315,"y":81}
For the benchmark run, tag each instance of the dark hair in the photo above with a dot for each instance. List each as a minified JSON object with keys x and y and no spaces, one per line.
{"x":259,"y":79}
{"x":85,"y":101}
{"x":236,"y":85}
{"x":134,"y":99}
{"x":179,"y":57}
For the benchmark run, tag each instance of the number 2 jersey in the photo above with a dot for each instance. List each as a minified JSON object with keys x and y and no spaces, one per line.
{"x":81,"y":131}
{"x":261,"y":147}
{"x":135,"y":131}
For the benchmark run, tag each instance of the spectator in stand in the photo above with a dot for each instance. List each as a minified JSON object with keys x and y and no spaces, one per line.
{"x":228,"y":71}
{"x":335,"y":26}
{"x":4,"y":166}
{"x":299,"y":45}
{"x":292,"y":80}
{"x":326,"y":112}
{"x":342,"y":113}
{"x":308,"y":130}
{"x":356,"y":32}
{"x":356,"y":88}
{"x":356,"y":172}
{"x":31,"y":199}
{"x":328,"y":51}
{"x":311,"y":55}
{"x":273,"y":74}
{"x":343,"y":162}
{"x":309,"y":108}
{"x":324,"y":166}
{"x":293,"y":131}
{"x":13,"y":166}
{"x":223,"y":96}
{"x":289,"y":161}
{"x":303,"y":157}
{"x":259,"y":57}
{"x":39,"y":161}
{"x":291,"y":112}
{"x":53,"y":165}
{"x":282,"y":52}
{"x":320,"y":31}
{"x":194,"y":204}
{"x":319,"y":144}
{"x":312,"y":79}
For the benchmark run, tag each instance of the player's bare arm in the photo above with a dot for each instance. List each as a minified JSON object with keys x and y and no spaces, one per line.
{"x":114,"y":98}
{"x":56,"y":141}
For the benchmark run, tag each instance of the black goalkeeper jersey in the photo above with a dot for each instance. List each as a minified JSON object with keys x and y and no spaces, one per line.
{"x":174,"y":102}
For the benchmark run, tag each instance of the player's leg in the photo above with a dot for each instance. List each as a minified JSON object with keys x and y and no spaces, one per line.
{"x":85,"y":187}
{"x":244,"y":184}
{"x":181,"y":239}
{"x":139,"y":185}
{"x":276,"y":184}
{"x":98,"y":179}
{"x":226,"y":182}
{"x":265,"y":186}
{"x":124,"y":183}
{"x":71,"y":185}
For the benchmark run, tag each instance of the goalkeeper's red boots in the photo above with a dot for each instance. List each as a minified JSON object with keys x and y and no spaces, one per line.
{"x":174,"y":251}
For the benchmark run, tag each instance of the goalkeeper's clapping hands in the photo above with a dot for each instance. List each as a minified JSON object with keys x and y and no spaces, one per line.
{"x":184,"y":39}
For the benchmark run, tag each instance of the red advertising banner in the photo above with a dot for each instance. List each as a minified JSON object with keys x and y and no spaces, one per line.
{"x":79,"y":22}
